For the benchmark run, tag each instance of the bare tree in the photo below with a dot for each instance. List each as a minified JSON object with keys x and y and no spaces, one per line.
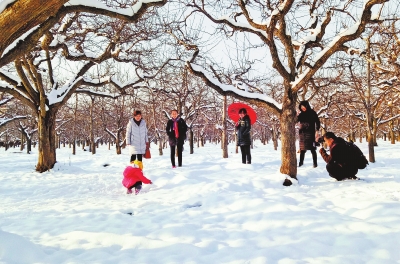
{"x":32,"y":77}
{"x":298,"y":49}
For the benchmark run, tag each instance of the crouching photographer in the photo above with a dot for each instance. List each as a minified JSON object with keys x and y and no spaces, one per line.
{"x":339,"y":165}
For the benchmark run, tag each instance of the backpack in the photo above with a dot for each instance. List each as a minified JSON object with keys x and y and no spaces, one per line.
{"x":356,"y":154}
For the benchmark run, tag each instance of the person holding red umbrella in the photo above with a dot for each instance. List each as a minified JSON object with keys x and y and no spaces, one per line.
{"x":243,"y":128}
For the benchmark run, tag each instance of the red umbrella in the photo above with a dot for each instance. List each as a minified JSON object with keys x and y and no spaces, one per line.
{"x":233,"y":112}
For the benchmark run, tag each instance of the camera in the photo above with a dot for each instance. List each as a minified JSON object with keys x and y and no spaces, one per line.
{"x":319,"y":141}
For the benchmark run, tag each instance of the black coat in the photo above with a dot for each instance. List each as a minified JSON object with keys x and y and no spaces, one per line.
{"x":309,"y":123}
{"x":182,"y":128}
{"x":341,"y":156}
{"x":243,"y":131}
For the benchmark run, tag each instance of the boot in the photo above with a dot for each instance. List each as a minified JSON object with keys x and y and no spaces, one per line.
{"x":302,"y":154}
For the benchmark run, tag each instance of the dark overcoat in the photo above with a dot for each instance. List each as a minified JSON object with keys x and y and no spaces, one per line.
{"x":243,"y":131}
{"x":340,"y":155}
{"x":182,"y":128}
{"x":309,"y":123}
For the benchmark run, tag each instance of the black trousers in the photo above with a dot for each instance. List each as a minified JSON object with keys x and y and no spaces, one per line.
{"x":246,"y":155}
{"x":179,"y":147}
{"x":137,"y":185}
{"x":314,"y":156}
{"x":139,"y":157}
{"x":340,"y":173}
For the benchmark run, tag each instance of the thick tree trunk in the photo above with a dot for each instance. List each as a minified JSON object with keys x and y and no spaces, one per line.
{"x":47,"y":144}
{"x":23,"y":15}
{"x":288,"y":135}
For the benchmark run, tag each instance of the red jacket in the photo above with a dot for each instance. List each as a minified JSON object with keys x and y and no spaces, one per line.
{"x":133,"y":175}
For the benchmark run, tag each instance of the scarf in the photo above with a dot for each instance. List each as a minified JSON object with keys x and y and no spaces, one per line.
{"x":175,"y":127}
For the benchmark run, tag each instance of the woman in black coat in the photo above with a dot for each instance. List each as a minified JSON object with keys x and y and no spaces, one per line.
{"x":309,"y":123}
{"x":243,"y":127}
{"x":176,"y":130}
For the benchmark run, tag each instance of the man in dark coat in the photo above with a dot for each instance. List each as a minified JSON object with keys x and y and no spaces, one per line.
{"x":339,"y":165}
{"x":176,"y":130}
{"x":309,"y":123}
{"x":243,"y":127}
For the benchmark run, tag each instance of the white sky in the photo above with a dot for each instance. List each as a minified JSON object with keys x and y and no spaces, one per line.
{"x":211,"y":210}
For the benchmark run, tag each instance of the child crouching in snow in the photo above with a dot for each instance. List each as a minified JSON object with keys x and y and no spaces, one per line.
{"x":133,"y":178}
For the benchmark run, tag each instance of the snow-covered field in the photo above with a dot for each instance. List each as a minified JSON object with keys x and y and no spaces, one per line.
{"x":211,"y":210}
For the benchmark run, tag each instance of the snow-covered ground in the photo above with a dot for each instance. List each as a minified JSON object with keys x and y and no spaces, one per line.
{"x":211,"y":210}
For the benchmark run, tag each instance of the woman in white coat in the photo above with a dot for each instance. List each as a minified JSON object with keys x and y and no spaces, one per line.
{"x":137,"y":138}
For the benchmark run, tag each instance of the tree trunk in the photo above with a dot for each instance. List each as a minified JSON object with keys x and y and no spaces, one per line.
{"x":288,"y":135}
{"x":224,"y":130}
{"x":160,"y":147}
{"x":47,"y":141}
{"x":22,"y":141}
{"x":92,"y":143}
{"x":274,"y":137}
{"x":391,"y":133}
{"x":118,"y":142}
{"x":370,"y":139}
{"x":74,"y":146}
{"x":191,"y":141}
{"x":28,"y":145}
{"x":20,"y":16}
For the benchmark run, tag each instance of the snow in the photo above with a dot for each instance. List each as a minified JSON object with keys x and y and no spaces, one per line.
{"x":4,"y":4}
{"x":233,"y":88}
{"x":97,"y":4}
{"x":211,"y":210}
{"x":21,"y":38}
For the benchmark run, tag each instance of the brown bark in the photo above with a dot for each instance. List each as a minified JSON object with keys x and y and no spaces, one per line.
{"x":288,"y":136}
{"x":118,"y":144}
{"x":47,"y":144}
{"x":191,"y":141}
{"x":23,"y":15}
{"x":224,"y":129}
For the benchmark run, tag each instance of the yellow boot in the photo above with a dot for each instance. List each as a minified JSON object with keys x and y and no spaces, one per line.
{"x":139,"y":163}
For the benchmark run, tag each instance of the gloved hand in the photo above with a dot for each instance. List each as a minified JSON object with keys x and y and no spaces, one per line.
{"x":322,"y":151}
{"x":151,"y":182}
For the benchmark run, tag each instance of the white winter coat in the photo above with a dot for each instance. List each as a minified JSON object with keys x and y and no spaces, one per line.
{"x":136,"y":137}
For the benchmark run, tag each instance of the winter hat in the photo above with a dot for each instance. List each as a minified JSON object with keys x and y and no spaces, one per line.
{"x":138,"y":164}
{"x":304,"y":103}
{"x":134,"y":165}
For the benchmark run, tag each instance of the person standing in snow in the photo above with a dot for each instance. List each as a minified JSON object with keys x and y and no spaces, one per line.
{"x":339,"y":162}
{"x":243,"y":128}
{"x":176,"y":131}
{"x":309,"y":123}
{"x":137,"y":138}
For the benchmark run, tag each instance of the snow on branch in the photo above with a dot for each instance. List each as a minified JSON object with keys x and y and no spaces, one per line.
{"x":231,"y":89}
{"x":95,"y":93}
{"x":110,"y":133}
{"x":130,"y":11}
{"x":337,"y":44}
{"x":6,"y":100}
{"x":4,"y":121}
{"x":131,"y":14}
